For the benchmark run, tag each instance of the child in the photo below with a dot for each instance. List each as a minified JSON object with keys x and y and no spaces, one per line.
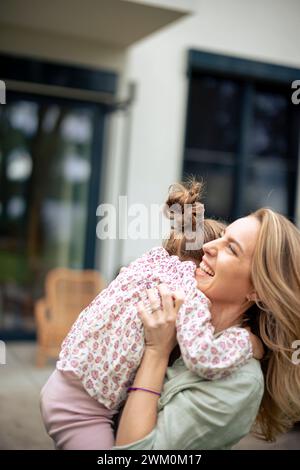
{"x":102,"y":352}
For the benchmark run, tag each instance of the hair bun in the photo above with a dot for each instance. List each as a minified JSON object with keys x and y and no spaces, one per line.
{"x":185,"y":193}
{"x":181,"y":194}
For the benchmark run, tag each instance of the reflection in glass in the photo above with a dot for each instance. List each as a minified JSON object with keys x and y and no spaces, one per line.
{"x":19,"y":165}
{"x":45,"y":169}
{"x":218,"y":180}
{"x":75,"y":168}
{"x":239,"y":141}
{"x":23,"y":116}
{"x":15,"y":207}
{"x":212,"y":139}
{"x":269,"y":164}
{"x":214,"y":114}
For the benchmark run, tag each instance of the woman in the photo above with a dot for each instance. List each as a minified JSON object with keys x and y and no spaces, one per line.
{"x":256,"y":282}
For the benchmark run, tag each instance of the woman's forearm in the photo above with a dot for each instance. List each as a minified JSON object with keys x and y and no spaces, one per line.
{"x":140,"y":411}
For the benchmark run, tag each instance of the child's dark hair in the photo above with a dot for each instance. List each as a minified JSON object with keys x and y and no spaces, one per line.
{"x":180,"y":195}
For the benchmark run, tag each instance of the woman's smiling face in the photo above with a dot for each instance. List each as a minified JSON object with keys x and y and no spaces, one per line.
{"x":224,"y":275}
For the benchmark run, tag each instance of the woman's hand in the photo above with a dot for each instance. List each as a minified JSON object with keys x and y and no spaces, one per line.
{"x":159,"y":326}
{"x":139,"y":415}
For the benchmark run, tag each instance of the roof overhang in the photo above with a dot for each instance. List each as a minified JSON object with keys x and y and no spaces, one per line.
{"x":115,"y":23}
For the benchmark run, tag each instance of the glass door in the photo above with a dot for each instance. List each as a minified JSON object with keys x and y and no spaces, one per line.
{"x":50,"y":156}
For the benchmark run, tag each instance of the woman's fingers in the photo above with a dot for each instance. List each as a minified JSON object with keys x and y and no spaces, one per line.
{"x":166,"y":299}
{"x":143,"y":314}
{"x":170,"y":301}
{"x":162,"y":308}
{"x":159,"y":320}
{"x":154,"y":300}
{"x":178,"y":297}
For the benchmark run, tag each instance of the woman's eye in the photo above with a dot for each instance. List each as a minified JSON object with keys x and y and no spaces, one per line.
{"x":232,"y":249}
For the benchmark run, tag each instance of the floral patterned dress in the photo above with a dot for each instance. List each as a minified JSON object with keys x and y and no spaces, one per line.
{"x":106,"y":343}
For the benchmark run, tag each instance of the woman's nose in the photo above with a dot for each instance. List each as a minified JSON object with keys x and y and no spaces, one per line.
{"x":210,"y":248}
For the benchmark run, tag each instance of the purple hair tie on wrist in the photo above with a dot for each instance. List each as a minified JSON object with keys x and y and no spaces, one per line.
{"x":144,"y":389}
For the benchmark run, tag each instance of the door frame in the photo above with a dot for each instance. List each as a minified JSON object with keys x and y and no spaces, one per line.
{"x":46,"y":80}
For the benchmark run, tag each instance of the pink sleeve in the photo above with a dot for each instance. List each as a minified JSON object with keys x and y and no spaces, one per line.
{"x":204,"y":354}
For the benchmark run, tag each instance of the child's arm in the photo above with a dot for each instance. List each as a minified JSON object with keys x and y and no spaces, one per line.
{"x":208,"y":356}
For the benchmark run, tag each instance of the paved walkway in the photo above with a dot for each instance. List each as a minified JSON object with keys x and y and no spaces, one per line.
{"x":20,"y":422}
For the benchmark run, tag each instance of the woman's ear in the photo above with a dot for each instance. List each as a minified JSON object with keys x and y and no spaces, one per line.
{"x":252,"y":297}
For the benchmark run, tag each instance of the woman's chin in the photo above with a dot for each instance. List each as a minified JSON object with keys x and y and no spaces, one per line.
{"x":203,"y":279}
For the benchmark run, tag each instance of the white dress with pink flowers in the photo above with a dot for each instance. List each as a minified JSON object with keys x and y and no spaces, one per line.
{"x":106,"y":343}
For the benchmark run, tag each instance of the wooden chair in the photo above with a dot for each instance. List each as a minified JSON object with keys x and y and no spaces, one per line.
{"x":68,"y":292}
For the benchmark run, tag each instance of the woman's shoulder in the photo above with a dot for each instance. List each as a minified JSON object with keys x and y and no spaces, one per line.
{"x":243,"y":386}
{"x":232,"y":401}
{"x":246,"y":384}
{"x":250,"y":373}
{"x":242,"y":390}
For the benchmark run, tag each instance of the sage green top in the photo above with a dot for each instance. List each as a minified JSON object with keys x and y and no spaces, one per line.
{"x":199,"y":414}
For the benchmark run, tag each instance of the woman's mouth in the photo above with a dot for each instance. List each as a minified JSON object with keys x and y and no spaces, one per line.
{"x":204,"y":269}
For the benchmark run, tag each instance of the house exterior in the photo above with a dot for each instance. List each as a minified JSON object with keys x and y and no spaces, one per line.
{"x":113,"y":98}
{"x":224,"y":45}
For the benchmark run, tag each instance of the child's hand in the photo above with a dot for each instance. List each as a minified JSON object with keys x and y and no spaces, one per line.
{"x":257,"y":345}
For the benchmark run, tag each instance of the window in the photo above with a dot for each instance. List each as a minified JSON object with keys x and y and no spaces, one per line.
{"x":242,"y":134}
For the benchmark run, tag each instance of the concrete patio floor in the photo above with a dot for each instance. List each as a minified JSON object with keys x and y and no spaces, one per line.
{"x":21,"y":426}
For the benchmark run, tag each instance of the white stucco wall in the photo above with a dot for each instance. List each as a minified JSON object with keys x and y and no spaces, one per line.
{"x":265,"y":30}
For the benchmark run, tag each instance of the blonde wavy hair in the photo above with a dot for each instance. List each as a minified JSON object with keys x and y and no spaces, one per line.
{"x":276,"y":318}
